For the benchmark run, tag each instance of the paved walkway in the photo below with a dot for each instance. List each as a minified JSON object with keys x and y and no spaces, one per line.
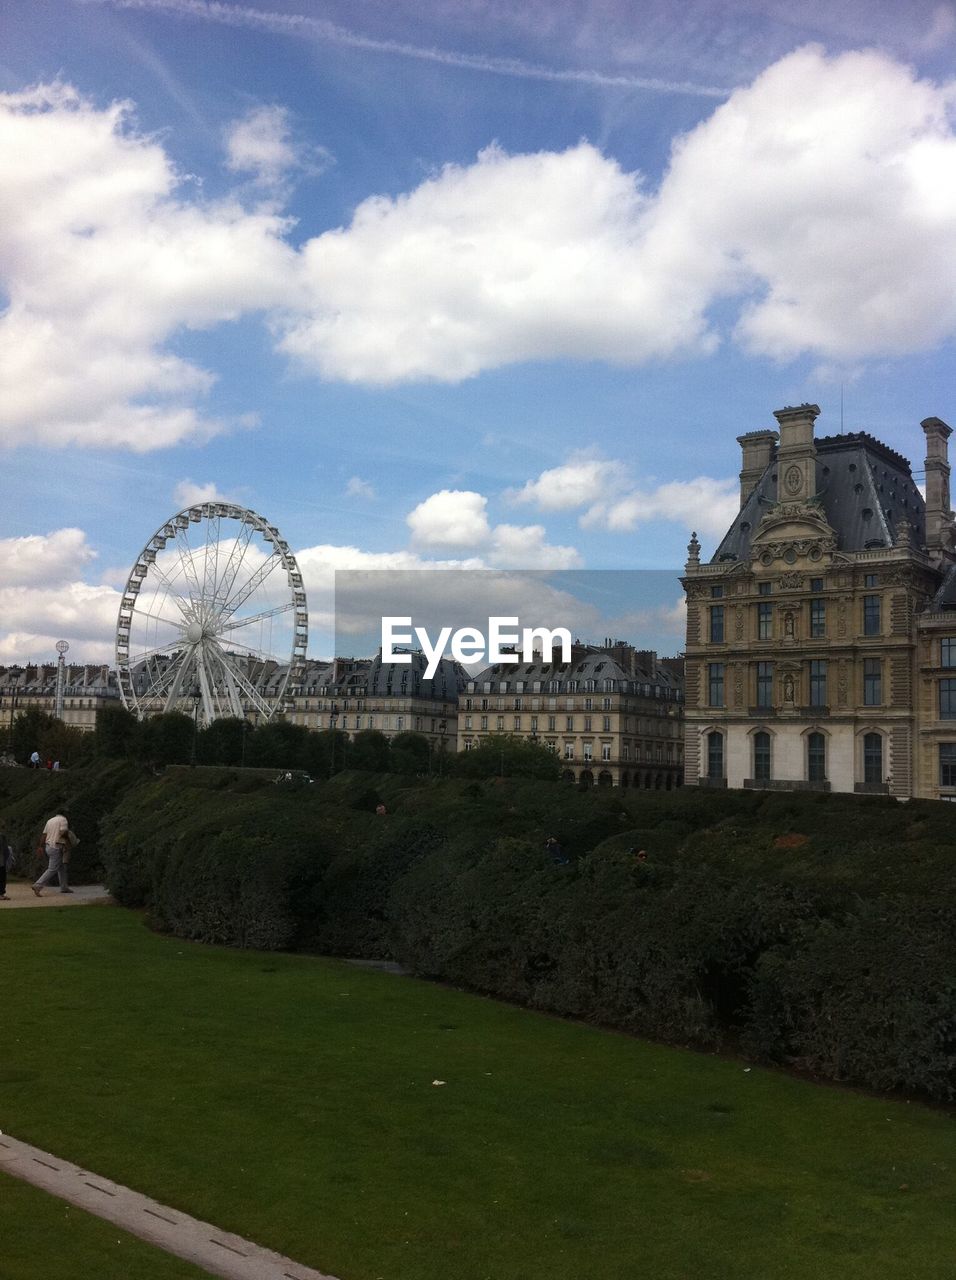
{"x":218,"y":1252}
{"x":21,"y":895}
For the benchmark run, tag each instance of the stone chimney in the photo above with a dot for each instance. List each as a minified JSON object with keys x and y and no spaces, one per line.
{"x":797,"y":454}
{"x":938,"y":515}
{"x":757,"y":450}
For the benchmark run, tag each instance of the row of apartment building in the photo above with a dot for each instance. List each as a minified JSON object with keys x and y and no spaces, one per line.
{"x":612,"y":715}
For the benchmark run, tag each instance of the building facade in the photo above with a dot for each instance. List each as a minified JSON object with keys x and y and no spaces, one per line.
{"x":613,"y":714}
{"x":819,"y":632}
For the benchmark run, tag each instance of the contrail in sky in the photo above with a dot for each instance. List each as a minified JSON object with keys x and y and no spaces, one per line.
{"x":308,"y":28}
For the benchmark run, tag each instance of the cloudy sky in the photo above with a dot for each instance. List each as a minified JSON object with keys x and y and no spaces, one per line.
{"x":455,"y":281}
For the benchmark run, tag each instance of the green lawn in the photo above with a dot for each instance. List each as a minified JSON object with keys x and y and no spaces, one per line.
{"x":292,"y":1100}
{"x":42,"y":1238}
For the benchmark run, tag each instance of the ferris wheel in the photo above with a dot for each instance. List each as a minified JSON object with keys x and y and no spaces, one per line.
{"x":213,"y":620}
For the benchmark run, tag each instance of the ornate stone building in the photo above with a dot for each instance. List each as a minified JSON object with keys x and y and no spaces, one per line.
{"x":819,"y":632}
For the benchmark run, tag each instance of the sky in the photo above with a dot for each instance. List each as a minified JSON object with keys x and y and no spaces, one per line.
{"x":451,"y":282}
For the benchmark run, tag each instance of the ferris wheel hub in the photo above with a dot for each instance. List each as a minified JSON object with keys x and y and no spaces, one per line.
{"x":194,"y":632}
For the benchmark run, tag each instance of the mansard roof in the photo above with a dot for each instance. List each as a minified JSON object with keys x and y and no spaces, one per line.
{"x":864,"y":489}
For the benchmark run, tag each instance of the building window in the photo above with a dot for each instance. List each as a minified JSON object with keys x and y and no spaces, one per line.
{"x":569,"y":751}
{"x":552,"y":724}
{"x":818,"y":619}
{"x":871,"y":580}
{"x":764,"y":621}
{"x":467,"y":722}
{"x":517,"y":724}
{"x":762,"y":756}
{"x":947,"y":652}
{"x":587,"y":724}
{"x":588,"y":753}
{"x":569,"y":724}
{"x":500,"y":723}
{"x":764,"y":684}
{"x":871,"y":615}
{"x":534,"y":724}
{"x":715,"y":755}
{"x":763,"y":588}
{"x":816,"y":584}
{"x":484,"y":722}
{"x":605,"y":751}
{"x":872,"y":757}
{"x":715,"y":684}
{"x":716,"y":593}
{"x":588,"y":704}
{"x":606,"y":724}
{"x":818,"y":684}
{"x":717,"y":624}
{"x":626,"y":752}
{"x":947,"y":699}
{"x":947,"y":764}
{"x":872,"y":682}
{"x":816,"y":757}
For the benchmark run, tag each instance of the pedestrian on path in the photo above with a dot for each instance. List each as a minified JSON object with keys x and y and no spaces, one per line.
{"x":35,"y":760}
{"x":58,"y":841}
{"x":6,"y":857}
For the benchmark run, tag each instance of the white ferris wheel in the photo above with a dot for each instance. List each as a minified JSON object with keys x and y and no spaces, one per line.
{"x":213,"y":620}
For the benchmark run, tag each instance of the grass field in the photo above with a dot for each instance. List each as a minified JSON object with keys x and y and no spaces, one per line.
{"x":42,"y":1238}
{"x":293,"y":1100}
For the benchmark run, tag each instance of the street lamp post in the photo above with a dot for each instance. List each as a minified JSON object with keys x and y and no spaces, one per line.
{"x":442,"y":728}
{"x":192,"y":754}
{"x":333,"y":716}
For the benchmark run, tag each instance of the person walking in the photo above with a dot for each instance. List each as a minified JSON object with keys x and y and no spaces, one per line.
{"x":58,"y":841}
{"x":35,"y":760}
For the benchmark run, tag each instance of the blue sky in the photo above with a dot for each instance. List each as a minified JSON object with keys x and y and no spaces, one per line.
{"x":448,"y":282}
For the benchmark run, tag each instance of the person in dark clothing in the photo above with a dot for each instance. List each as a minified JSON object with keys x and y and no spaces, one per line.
{"x":6,"y":857}
{"x":555,"y":852}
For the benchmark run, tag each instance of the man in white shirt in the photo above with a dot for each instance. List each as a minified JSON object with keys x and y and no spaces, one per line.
{"x":58,"y":840}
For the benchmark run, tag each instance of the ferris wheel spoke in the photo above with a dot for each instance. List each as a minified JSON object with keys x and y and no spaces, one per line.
{"x":227,"y":689}
{"x":249,"y":689}
{"x":184,"y":604}
{"x":211,"y":561}
{"x":254,"y":582}
{"x":235,"y":562}
{"x":188,"y":568}
{"x":250,"y":651}
{"x":257,"y":617}
{"x":144,"y":655}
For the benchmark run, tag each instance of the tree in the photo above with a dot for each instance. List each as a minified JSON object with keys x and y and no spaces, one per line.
{"x":222,"y":741}
{"x":278,"y":745}
{"x":117,"y":732}
{"x":369,"y":750}
{"x":168,"y":739}
{"x":504,"y":754}
{"x":327,"y":751}
{"x":408,"y":753}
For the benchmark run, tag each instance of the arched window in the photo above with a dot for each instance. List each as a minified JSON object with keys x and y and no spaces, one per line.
{"x":873,"y":757}
{"x":816,"y":757}
{"x":715,"y":755}
{"x":762,"y":756}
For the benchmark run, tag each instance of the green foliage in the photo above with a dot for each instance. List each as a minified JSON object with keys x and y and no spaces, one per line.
{"x":223,"y":742}
{"x":117,"y":733}
{"x":28,"y":733}
{"x":505,"y":755}
{"x":278,"y":745}
{"x":369,"y":750}
{"x":409,"y":753}
{"x":168,"y":739}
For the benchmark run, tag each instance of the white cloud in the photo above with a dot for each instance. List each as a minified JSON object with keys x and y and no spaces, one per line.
{"x":359,"y":488}
{"x":43,"y":561}
{"x":104,"y":260}
{"x":704,"y":504}
{"x":580,"y":481}
{"x":524,"y":547}
{"x":450,"y":518}
{"x":822,"y":199}
{"x":817,"y":205}
{"x":35,"y":618}
{"x":188,"y":494}
{"x":260,"y":144}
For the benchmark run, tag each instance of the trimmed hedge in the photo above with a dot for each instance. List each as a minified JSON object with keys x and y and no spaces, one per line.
{"x":815,"y":932}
